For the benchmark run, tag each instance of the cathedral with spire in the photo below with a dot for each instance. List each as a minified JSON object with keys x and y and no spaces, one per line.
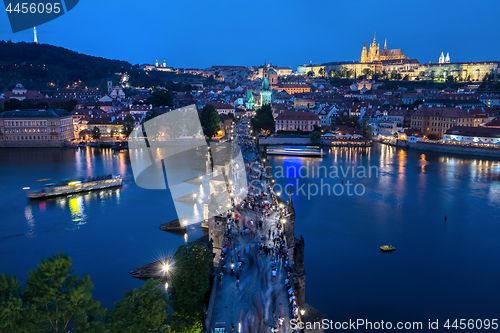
{"x":374,"y":53}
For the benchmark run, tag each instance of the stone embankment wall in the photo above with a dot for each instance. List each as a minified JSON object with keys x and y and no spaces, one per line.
{"x":448,"y":149}
{"x":451,"y":149}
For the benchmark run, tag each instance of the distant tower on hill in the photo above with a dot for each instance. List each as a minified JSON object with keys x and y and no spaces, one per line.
{"x":156,"y":64}
{"x":441,"y":58}
{"x":35,"y":38}
{"x":164,"y":63}
{"x":447,"y":59}
{"x":110,"y":86}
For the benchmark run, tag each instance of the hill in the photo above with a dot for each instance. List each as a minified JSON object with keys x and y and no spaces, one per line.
{"x":47,"y":67}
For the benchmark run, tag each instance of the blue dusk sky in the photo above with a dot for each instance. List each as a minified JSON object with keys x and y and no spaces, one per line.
{"x":287,"y":32}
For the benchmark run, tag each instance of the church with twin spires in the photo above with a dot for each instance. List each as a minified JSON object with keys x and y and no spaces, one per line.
{"x":374,"y":53}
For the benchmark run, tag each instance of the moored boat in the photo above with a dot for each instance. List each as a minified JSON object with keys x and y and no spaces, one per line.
{"x":295,"y":151}
{"x":77,"y":185}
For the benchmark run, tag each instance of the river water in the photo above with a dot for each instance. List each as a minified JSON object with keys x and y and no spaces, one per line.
{"x":441,"y":268}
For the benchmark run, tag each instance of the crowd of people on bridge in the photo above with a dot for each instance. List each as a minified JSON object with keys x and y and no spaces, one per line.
{"x":258,"y":220}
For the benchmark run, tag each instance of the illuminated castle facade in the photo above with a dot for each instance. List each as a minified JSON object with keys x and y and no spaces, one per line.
{"x":376,"y":54}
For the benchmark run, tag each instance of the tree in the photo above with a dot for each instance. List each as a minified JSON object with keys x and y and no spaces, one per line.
{"x":321,"y":71}
{"x":141,"y":310}
{"x":65,"y":105}
{"x":60,"y":299}
{"x":153,"y":113}
{"x":190,"y":282}
{"x":315,"y":135}
{"x":432,"y":136}
{"x":432,"y":76}
{"x":343,"y":72}
{"x":263,"y":120}
{"x":210,"y":121}
{"x":449,"y":79}
{"x":159,"y":98}
{"x":367,"y":72}
{"x":128,"y":124}
{"x":179,"y":324}
{"x":395,"y":135}
{"x":96,"y":133}
{"x":310,"y":73}
{"x":12,"y":308}
{"x":368,"y":132}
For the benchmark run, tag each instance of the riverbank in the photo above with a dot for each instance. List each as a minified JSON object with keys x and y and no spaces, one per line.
{"x":445,"y":148}
{"x":325,"y":141}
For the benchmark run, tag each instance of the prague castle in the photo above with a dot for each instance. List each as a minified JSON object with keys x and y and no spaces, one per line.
{"x":375,"y":54}
{"x":374,"y":60}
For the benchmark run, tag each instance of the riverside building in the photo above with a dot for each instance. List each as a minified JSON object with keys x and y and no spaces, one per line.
{"x":36,"y":128}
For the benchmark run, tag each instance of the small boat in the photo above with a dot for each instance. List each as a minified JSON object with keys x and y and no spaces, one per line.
{"x":387,"y":248}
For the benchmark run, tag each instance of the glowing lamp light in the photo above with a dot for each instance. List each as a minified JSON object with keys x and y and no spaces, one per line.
{"x":166,"y":285}
{"x":278,"y":194}
{"x":302,"y":312}
{"x":165,"y":268}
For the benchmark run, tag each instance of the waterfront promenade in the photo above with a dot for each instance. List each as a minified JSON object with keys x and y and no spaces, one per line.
{"x":260,"y":303}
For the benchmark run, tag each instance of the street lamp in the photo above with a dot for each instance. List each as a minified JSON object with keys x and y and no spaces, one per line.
{"x":302,"y":311}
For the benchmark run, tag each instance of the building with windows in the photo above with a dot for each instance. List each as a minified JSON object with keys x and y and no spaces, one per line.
{"x":437,"y":120}
{"x":36,"y":128}
{"x":294,"y":120}
{"x":292,"y":88}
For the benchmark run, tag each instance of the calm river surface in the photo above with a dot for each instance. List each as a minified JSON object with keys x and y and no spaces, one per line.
{"x":441,"y":269}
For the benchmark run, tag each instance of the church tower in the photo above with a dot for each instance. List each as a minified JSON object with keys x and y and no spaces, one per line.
{"x":447,"y":59}
{"x":385,"y":45}
{"x":364,"y":54}
{"x":249,"y":100}
{"x":441,"y":58}
{"x":164,"y":63}
{"x":156,"y":62}
{"x":35,"y":40}
{"x":373,"y":53}
{"x":265,"y":92}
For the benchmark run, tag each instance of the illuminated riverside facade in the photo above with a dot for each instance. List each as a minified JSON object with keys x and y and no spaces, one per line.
{"x":35,"y":128}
